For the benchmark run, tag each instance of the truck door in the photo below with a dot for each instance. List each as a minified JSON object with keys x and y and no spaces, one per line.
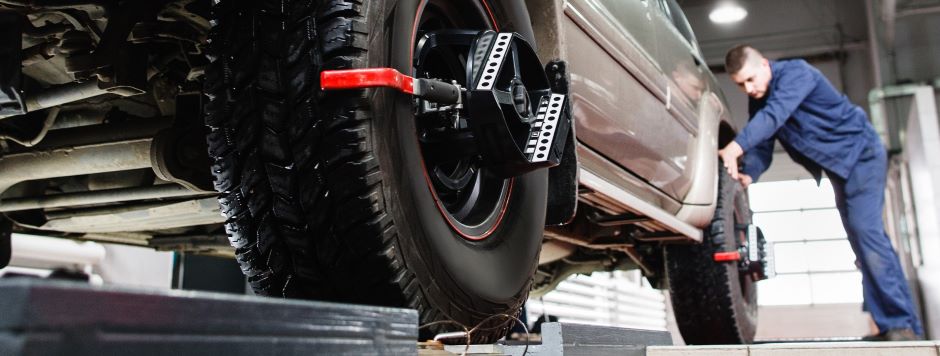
{"x":686,"y":76}
{"x":619,"y":90}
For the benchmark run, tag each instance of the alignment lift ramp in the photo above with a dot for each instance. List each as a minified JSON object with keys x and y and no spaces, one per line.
{"x":43,"y":317}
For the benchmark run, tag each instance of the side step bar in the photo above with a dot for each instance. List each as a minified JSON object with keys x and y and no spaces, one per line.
{"x":685,"y":231}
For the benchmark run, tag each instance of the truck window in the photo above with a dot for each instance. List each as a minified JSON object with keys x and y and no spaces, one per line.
{"x":672,"y":9}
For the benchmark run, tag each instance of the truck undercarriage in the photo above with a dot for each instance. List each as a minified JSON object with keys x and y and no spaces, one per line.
{"x":102,"y":130}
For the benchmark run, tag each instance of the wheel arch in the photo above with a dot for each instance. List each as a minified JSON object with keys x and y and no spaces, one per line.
{"x":714,"y":131}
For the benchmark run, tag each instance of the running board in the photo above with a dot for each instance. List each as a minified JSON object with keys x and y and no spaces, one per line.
{"x":684,"y":230}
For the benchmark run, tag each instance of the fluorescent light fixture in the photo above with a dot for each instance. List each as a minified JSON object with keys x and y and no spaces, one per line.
{"x":727,"y":13}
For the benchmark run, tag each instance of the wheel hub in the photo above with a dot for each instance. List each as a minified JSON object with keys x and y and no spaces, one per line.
{"x":485,"y":112}
{"x":509,"y":103}
{"x":520,"y":99}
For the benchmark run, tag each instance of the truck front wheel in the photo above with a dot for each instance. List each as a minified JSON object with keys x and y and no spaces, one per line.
{"x":338,"y":195}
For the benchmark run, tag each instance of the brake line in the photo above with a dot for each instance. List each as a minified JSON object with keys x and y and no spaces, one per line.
{"x":50,"y":120}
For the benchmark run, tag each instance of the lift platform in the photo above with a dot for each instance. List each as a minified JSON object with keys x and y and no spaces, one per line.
{"x":583,"y":340}
{"x":42,"y":317}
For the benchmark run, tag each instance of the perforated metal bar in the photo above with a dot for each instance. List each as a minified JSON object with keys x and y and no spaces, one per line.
{"x":494,"y":61}
{"x":542,"y":134}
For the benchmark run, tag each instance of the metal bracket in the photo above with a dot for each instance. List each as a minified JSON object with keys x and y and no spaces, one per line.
{"x":562,"y":179}
{"x":753,"y":258}
{"x":179,"y":154}
{"x":505,"y":74}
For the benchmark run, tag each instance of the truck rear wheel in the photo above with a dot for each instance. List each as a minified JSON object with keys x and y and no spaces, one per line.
{"x":334,"y":195}
{"x":714,"y":302}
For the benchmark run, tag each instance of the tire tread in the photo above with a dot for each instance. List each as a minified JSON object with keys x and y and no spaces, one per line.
{"x":702,"y":291}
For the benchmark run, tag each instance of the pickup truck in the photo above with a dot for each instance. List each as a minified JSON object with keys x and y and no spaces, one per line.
{"x":452,"y":156}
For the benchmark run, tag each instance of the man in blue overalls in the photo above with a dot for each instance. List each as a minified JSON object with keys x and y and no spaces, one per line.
{"x":822,"y":130}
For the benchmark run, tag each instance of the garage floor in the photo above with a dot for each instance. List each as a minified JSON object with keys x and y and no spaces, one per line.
{"x":919,"y":348}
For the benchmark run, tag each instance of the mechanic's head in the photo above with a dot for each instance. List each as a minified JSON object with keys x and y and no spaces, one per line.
{"x":749,"y":70}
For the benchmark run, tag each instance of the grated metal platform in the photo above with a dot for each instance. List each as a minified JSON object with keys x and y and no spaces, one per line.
{"x":41,"y":317}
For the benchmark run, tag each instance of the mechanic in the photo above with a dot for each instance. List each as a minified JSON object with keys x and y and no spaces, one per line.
{"x":823,"y":131}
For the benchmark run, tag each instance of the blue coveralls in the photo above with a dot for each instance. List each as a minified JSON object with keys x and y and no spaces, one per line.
{"x":823,"y":131}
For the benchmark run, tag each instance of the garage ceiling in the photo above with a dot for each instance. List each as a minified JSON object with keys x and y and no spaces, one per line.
{"x":809,"y":28}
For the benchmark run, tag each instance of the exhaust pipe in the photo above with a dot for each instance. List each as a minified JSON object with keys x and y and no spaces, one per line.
{"x":70,"y":93}
{"x":72,"y":161}
{"x":99,"y":196}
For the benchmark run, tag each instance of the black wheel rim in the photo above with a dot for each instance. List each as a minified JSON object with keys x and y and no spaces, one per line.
{"x":471,"y":198}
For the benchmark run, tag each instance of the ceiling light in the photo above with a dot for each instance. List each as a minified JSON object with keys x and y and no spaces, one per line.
{"x":727,"y":13}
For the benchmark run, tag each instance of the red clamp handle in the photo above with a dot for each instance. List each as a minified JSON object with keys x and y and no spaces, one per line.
{"x":366,"y":78}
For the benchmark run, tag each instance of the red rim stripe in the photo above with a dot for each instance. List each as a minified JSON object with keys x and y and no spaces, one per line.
{"x":437,"y":200}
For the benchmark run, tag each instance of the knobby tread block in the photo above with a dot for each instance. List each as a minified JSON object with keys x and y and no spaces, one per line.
{"x":289,"y":162}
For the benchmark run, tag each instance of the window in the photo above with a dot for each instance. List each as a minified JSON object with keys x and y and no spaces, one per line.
{"x":813,"y":259}
{"x":672,"y":9}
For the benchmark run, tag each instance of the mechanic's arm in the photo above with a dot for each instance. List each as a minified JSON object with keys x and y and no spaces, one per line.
{"x":792,"y":88}
{"x":756,"y":161}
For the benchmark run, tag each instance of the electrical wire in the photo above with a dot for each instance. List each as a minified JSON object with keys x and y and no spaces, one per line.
{"x":467,"y":333}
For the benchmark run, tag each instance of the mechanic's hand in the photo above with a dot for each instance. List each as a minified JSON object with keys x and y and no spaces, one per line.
{"x":745,"y":180}
{"x":730,"y":155}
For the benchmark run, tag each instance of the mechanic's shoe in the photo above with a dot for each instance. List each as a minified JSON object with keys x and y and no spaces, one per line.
{"x":894,"y":335}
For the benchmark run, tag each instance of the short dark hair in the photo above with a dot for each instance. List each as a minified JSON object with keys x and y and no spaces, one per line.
{"x":738,"y":56}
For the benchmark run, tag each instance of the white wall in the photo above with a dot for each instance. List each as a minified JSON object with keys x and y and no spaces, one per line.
{"x":136,"y":267}
{"x":107,"y":263}
{"x":620,"y":298}
{"x":920,"y":151}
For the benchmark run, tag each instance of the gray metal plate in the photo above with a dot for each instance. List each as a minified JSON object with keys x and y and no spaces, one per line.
{"x":39,"y":317}
{"x":563,"y":339}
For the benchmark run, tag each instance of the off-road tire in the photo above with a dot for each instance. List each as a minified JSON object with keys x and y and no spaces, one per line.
{"x":319,"y":188}
{"x":712,"y":303}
